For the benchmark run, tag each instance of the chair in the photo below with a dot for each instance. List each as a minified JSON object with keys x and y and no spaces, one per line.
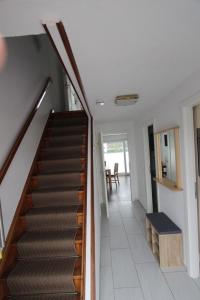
{"x":108,"y":178}
{"x":115,"y":175}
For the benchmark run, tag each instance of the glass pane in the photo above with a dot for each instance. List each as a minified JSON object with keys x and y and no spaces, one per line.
{"x":113,"y":153}
{"x":168,"y":159}
{"x":73,"y":100}
{"x":172,"y":156}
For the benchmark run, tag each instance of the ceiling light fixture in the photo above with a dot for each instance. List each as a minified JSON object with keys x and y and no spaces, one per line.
{"x":100,"y":102}
{"x":125,"y":100}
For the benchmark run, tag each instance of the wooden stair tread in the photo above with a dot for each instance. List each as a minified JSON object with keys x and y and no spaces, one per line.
{"x":82,"y":160}
{"x":68,"y":136}
{"x":57,"y":189}
{"x":62,"y":123}
{"x":71,"y":179}
{"x":78,"y":187}
{"x":62,"y":155}
{"x":71,"y":128}
{"x":60,"y":165}
{"x":59,"y":296}
{"x":53,"y":210}
{"x":65,"y":147}
{"x":51,"y":133}
{"x":43,"y":159}
{"x":68,"y":114}
{"x":70,"y":140}
{"x":50,"y":244}
{"x":78,"y":237}
{"x":55,"y":198}
{"x":32,"y":275}
{"x":59,"y":173}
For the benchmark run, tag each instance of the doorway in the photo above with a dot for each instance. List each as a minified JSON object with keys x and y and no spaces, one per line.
{"x":152,"y":167}
{"x":117,"y":152}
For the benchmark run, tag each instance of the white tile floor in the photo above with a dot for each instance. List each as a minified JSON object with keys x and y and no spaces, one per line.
{"x":128,"y":268}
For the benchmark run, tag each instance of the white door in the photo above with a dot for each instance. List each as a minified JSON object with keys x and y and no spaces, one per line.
{"x":103,"y":174}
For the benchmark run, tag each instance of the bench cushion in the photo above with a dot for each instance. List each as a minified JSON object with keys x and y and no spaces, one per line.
{"x":162,"y":223}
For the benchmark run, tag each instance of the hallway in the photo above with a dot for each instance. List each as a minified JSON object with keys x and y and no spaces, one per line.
{"x":128,"y":268}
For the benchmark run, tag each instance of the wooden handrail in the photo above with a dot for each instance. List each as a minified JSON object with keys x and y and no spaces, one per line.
{"x":23,"y":130}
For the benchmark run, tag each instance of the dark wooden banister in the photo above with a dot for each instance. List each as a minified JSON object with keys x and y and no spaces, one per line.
{"x":23,"y":130}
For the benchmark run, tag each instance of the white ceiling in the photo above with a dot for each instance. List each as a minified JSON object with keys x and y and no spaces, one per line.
{"x":121,"y":46}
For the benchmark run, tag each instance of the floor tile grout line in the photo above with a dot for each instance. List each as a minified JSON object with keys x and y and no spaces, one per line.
{"x":109,"y":249}
{"x":130,"y":254}
{"x":140,"y":284}
{"x":164,"y":280}
{"x":132,"y":287}
{"x":131,"y":251}
{"x":112,"y":281}
{"x":168,"y":285}
{"x":196,"y":283}
{"x":111,"y":266}
{"x":144,"y":263}
{"x":163,"y":274}
{"x":131,"y":258}
{"x":112,"y":272}
{"x":195,"y":279}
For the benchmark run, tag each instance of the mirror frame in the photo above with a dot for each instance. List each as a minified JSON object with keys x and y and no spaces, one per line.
{"x":173,"y":185}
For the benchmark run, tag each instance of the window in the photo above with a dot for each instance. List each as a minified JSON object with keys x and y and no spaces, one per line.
{"x":72,"y":98}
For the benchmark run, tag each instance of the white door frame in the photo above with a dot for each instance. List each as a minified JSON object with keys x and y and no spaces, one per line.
{"x":189,"y":172}
{"x":147,"y":166}
{"x":103,"y":174}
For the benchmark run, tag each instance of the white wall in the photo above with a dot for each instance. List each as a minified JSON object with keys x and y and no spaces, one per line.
{"x":115,"y":137}
{"x":97,"y":211}
{"x":20,"y":84}
{"x":121,"y":127}
{"x":170,"y":202}
{"x":13,"y":183}
{"x":165,"y":115}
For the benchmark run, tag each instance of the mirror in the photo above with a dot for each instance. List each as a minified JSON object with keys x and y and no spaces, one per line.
{"x":168,"y":158}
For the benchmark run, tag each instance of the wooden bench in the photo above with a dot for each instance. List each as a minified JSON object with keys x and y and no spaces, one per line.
{"x":165,"y":240}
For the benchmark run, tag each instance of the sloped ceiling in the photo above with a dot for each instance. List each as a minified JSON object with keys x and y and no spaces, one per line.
{"x":121,"y":46}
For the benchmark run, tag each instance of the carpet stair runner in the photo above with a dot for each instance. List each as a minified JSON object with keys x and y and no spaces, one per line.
{"x":49,"y":251}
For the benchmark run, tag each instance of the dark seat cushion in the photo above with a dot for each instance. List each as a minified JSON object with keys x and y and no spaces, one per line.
{"x":162,"y":223}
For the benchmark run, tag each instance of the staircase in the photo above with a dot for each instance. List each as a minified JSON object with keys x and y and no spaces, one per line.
{"x":49,"y":240}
